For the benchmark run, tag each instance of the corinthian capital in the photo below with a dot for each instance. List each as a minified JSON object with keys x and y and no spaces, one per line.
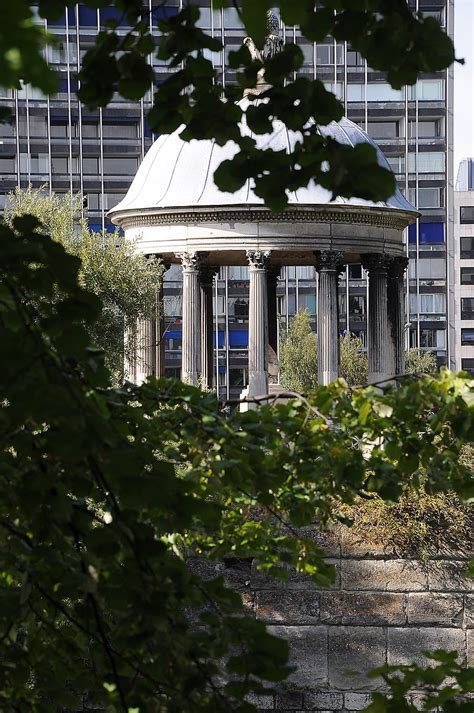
{"x":397,"y":266}
{"x":189,"y":261}
{"x":258,"y":259}
{"x":375,"y":262}
{"x":329,"y":260}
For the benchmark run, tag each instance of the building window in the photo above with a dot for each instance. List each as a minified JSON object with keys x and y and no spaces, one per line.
{"x":354,"y":59}
{"x":467,"y":337}
{"x":120,"y":130}
{"x":90,"y":166}
{"x":356,"y":305}
{"x":355,"y":272}
{"x":425,"y":129}
{"x":467,"y":276}
{"x":239,"y":307}
{"x":35,"y":163}
{"x":396,"y":163}
{"x":428,"y":303}
{"x":325,"y":54}
{"x":466,"y":214}
{"x":467,"y":307}
{"x":427,"y":90}
{"x":90,"y":130}
{"x":425,"y":197}
{"x":308,"y":302}
{"x":383,"y":129}
{"x":7,"y":165}
{"x":59,"y":130}
{"x":120,"y":166}
{"x":433,"y":338}
{"x":428,"y":233}
{"x":468,"y":365}
{"x":376,"y":91}
{"x":173,"y":340}
{"x":467,"y":248}
{"x":172,"y":306}
{"x":237,"y":377}
{"x":426,"y":162}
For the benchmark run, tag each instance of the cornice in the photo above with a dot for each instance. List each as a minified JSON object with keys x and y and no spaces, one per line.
{"x":349,"y":215}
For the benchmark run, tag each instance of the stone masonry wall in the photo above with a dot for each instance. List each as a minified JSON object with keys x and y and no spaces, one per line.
{"x":380,"y":609}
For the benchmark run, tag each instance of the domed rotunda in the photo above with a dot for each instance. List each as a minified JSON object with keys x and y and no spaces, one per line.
{"x":174,"y":210}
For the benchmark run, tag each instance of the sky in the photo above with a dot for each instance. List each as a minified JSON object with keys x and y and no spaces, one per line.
{"x":463,"y":82}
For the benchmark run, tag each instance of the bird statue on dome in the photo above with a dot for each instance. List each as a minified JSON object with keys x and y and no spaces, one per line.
{"x":272,"y":46}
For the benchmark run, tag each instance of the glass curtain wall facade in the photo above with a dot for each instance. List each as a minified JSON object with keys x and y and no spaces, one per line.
{"x":56,"y":143}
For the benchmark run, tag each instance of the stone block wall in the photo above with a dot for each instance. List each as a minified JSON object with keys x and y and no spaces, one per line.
{"x":380,"y":609}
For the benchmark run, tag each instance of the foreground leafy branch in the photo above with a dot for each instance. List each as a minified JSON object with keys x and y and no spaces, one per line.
{"x":105,"y":492}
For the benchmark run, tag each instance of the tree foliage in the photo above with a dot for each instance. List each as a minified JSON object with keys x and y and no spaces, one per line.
{"x":446,"y":685}
{"x":418,"y":361}
{"x":387,"y":34}
{"x":299,"y":356}
{"x":126,"y":282}
{"x":103,"y":491}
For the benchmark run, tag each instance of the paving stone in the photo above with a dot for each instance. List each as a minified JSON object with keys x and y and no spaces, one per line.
{"x":357,"y":701}
{"x":405,"y":645}
{"x":288,"y":607}
{"x":323,"y":700}
{"x":308,"y":652}
{"x":383,"y":575}
{"x":362,"y":609}
{"x":435,"y":608}
{"x":449,"y":576}
{"x":355,"y":650}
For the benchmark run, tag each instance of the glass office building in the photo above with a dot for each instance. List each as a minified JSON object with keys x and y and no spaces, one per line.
{"x":57,"y":143}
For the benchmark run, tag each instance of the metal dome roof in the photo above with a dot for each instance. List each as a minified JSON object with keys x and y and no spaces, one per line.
{"x":179,"y":174}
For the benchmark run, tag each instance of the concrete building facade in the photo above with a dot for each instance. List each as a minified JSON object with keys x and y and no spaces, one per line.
{"x":464,"y":266}
{"x":55,"y":142}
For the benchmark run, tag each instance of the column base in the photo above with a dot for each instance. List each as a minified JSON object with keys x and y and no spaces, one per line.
{"x":327,"y":377}
{"x":258,"y":385}
{"x":375,"y":377}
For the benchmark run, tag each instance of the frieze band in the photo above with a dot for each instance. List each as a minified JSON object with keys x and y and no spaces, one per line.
{"x":349,"y":217}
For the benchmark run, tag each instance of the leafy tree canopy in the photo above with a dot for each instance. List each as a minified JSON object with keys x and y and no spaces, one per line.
{"x":386,"y":33}
{"x":105,"y":492}
{"x":126,"y":282}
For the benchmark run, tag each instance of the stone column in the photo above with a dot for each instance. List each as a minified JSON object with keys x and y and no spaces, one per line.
{"x":191,"y":349}
{"x":328,"y":264}
{"x":272,"y":278}
{"x":145,"y":350}
{"x":396,"y":310}
{"x":379,"y":343}
{"x":206,"y":275}
{"x":160,"y":329}
{"x":258,"y":326}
